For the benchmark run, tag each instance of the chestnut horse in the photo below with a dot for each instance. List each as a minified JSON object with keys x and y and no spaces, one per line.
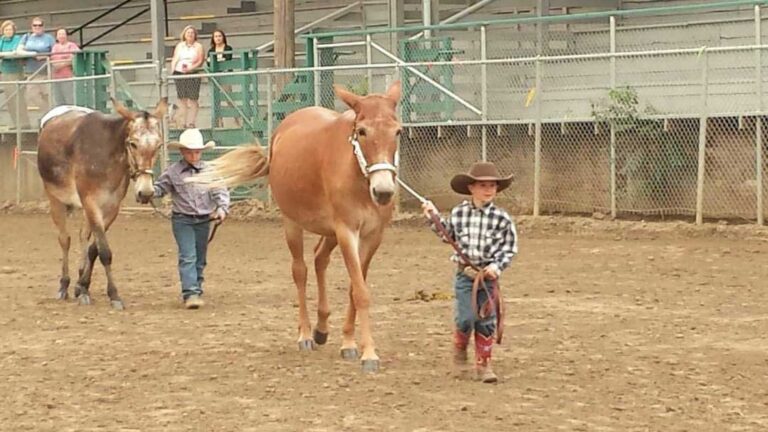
{"x":321,"y":180}
{"x":88,"y":160}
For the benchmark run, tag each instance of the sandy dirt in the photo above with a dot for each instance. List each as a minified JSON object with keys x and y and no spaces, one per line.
{"x":611,"y":327}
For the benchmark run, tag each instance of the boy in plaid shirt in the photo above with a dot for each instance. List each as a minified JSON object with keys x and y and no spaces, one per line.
{"x":487,"y":238}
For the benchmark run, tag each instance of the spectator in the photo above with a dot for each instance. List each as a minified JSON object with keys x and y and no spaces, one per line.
{"x":223,"y":52}
{"x":12,"y":69}
{"x":188,"y":56}
{"x":61,"y":61}
{"x":37,"y":42}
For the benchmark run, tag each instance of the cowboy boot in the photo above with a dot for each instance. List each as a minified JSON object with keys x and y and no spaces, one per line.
{"x":483,"y":347}
{"x":460,"y":343}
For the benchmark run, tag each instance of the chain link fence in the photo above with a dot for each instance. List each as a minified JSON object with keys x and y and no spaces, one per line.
{"x":625,"y":115}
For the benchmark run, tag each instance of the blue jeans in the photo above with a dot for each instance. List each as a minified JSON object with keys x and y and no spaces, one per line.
{"x":191,"y":235}
{"x":467,"y":319}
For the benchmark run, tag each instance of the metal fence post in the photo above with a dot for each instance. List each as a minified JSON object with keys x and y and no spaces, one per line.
{"x":537,"y":143}
{"x":17,"y":156}
{"x":613,"y":128}
{"x":369,"y":61}
{"x":702,"y":139}
{"x":759,"y":117}
{"x":50,"y":85}
{"x":316,"y":73}
{"x":484,"y":90}
{"x":162,"y":88}
{"x":269,"y":129}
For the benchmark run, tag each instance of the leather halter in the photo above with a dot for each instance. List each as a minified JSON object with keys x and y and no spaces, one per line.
{"x":133,"y":170}
{"x":365,"y":168}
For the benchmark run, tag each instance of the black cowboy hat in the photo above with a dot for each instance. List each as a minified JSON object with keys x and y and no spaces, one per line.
{"x":479,"y":171}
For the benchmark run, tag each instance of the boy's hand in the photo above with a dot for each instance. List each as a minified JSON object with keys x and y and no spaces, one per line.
{"x":220,"y":215}
{"x":428,"y":207}
{"x":490,"y":272}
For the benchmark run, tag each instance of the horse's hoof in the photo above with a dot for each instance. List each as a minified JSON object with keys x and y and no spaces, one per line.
{"x":118,"y":305}
{"x":349,"y":353}
{"x":307,"y":345}
{"x":62,"y":295}
{"x":370,"y":366}
{"x":84,"y":299}
{"x":320,"y":337}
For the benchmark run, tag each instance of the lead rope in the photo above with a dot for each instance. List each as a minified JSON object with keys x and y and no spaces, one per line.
{"x":495,"y":300}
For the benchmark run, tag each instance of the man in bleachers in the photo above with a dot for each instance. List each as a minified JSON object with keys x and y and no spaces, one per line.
{"x":37,"y":42}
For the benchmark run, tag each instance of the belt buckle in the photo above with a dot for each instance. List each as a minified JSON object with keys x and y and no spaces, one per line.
{"x":469,"y":272}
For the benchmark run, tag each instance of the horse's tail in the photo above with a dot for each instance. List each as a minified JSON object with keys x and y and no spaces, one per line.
{"x":237,"y":167}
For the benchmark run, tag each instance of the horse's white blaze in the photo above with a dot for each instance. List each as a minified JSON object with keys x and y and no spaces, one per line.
{"x":143,"y":185}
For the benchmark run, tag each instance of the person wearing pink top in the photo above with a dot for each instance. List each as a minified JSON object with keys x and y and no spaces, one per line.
{"x":61,"y":60}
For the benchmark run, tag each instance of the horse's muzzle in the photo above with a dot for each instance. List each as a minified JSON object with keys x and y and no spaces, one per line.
{"x":143,"y":197}
{"x":382,"y":197}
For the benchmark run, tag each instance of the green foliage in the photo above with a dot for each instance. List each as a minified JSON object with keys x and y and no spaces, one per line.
{"x":650,"y":162}
{"x":622,"y":111}
{"x":360,"y":88}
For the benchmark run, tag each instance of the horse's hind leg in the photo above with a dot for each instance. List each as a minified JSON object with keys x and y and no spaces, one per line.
{"x":59,"y":216}
{"x":88,"y":257}
{"x":99,"y":247}
{"x":294,"y":236}
{"x":322,"y":258}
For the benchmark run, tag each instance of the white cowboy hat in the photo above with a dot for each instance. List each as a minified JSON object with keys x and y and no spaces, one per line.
{"x":191,"y":139}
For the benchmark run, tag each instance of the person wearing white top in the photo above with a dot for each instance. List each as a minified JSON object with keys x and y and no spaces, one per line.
{"x":188,"y":57}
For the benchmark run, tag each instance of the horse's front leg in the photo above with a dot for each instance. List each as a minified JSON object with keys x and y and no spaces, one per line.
{"x":360,"y":301}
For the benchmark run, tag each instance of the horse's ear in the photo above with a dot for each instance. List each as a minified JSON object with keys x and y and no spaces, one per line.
{"x":352,"y":100}
{"x":394,"y":92}
{"x":122,"y":110}
{"x":161,"y":108}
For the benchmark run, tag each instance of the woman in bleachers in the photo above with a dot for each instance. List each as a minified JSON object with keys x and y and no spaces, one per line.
{"x":223,"y":52}
{"x":188,"y":57}
{"x":61,"y":61}
{"x":12,"y":69}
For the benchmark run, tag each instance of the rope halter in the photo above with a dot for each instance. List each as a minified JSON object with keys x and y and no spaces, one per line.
{"x":366,"y":169}
{"x":133,"y":166}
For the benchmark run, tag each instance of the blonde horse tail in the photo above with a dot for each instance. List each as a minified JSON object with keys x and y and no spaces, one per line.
{"x":237,"y":167}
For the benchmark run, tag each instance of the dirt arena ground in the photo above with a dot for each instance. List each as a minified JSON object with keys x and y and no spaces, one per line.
{"x":612,"y":326}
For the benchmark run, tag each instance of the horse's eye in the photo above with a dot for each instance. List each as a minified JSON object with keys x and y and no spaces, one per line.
{"x":361,"y":132}
{"x":132,"y":144}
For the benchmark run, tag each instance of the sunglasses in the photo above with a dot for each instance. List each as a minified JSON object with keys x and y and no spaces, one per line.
{"x":37,"y":25}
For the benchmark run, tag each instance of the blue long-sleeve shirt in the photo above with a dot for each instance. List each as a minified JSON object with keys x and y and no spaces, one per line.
{"x":190,"y":198}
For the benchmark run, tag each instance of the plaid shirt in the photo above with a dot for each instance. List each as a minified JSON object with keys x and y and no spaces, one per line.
{"x":487,"y":235}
